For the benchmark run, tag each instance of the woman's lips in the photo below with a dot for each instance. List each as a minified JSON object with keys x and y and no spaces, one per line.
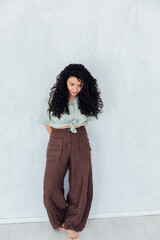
{"x":74,"y":92}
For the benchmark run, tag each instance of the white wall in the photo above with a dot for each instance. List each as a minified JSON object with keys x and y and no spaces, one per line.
{"x":118,"y":41}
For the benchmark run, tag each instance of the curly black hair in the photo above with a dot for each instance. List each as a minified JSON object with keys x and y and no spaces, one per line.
{"x":89,"y":101}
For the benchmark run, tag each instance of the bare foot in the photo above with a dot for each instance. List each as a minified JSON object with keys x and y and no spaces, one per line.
{"x":62,"y":227}
{"x":72,"y":234}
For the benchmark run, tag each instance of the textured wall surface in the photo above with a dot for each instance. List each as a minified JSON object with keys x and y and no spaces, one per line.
{"x":118,"y":41}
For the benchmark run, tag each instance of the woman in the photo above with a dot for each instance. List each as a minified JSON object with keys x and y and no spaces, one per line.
{"x":74,"y":100}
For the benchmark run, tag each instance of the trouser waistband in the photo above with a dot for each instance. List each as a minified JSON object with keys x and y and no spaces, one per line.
{"x":79,"y":129}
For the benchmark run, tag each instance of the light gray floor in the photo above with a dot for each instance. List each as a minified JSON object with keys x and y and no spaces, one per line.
{"x":121,"y":228}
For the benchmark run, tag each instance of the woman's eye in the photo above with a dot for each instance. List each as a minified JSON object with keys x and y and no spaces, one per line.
{"x":73,"y":85}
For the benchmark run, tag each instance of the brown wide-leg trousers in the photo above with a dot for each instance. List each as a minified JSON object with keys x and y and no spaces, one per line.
{"x":68,"y":150}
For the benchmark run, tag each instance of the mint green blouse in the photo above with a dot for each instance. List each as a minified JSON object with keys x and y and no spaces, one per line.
{"x":75,"y":118}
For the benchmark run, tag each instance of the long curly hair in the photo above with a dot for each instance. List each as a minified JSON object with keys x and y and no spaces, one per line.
{"x":89,"y":101}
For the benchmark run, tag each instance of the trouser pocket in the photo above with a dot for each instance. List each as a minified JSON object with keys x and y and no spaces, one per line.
{"x":54,"y":149}
{"x":84,"y":147}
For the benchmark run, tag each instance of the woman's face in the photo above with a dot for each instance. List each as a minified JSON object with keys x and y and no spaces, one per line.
{"x":74,"y":86}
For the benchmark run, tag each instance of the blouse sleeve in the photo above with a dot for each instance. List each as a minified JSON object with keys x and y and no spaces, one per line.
{"x":44,"y":115}
{"x":91,"y":118}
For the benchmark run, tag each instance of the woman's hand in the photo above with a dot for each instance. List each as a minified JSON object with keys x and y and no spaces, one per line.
{"x":49,"y":129}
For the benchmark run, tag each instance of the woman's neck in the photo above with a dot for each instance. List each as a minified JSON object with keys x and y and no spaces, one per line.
{"x":71,"y":99}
